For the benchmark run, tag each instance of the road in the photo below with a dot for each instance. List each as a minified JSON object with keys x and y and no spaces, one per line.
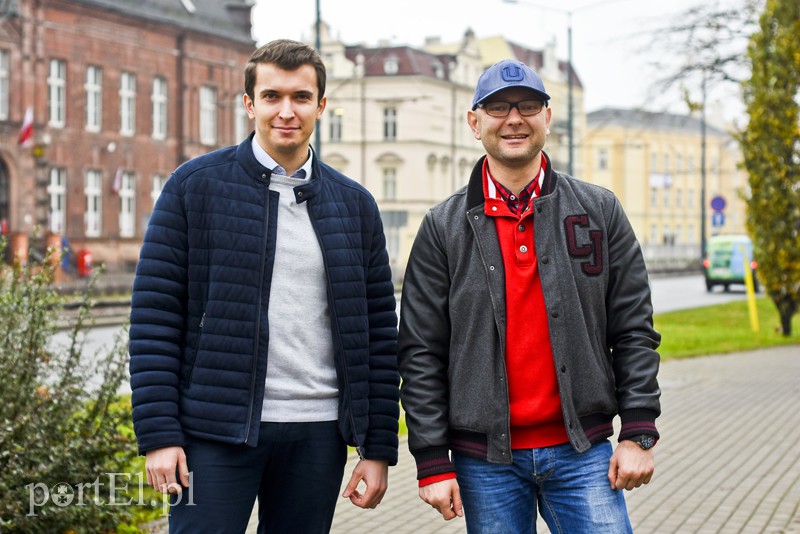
{"x":685,"y":292}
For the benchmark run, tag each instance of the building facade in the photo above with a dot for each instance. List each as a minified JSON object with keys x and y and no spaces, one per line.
{"x":120,"y":93}
{"x":396,"y":121}
{"x":654,"y":164}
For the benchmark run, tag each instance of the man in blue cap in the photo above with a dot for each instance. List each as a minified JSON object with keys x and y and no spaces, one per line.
{"x":526,"y":327}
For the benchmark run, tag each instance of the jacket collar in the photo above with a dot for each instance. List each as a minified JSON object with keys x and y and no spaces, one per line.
{"x":475,"y":184}
{"x":244,"y":153}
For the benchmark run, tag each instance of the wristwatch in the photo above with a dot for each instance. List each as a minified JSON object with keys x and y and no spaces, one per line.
{"x":645,"y":441}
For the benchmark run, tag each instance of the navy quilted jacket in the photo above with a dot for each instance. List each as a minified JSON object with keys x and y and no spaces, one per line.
{"x":199,"y":328}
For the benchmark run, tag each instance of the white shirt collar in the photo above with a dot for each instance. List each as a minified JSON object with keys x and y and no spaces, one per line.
{"x":267,"y":161}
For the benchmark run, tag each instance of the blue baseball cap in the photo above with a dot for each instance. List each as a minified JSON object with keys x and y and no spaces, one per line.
{"x":505,"y":74}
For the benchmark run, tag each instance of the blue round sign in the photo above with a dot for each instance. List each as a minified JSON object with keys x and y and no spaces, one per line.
{"x":718,"y":203}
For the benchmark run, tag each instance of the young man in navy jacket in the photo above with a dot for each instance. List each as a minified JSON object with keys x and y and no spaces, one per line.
{"x":263,"y":324}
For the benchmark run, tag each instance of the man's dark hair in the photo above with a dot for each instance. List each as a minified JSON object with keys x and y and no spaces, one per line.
{"x":287,"y":55}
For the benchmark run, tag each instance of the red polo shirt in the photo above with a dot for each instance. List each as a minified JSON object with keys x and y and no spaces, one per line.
{"x":536,"y":417}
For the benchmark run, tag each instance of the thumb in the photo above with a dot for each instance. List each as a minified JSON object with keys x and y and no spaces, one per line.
{"x":612,"y":472}
{"x":458,"y":507}
{"x":352,"y":485}
{"x":183,"y":469}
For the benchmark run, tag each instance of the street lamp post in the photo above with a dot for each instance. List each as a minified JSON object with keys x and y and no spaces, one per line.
{"x":318,"y":45}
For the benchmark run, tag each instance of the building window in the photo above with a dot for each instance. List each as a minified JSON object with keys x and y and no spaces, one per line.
{"x":690,"y":199}
{"x":159,"y":99}
{"x":690,"y":164}
{"x":677,"y":237}
{"x":93,"y":189}
{"x":602,"y":159}
{"x":690,"y":237}
{"x":653,"y":162}
{"x":208,"y":115}
{"x":390,"y":124}
{"x":57,"y":189}
{"x":94,"y":98}
{"x":653,"y":233}
{"x":158,"y":185}
{"x":241,"y":123}
{"x":666,"y":198}
{"x":653,"y":197}
{"x":678,"y":198}
{"x":390,"y":183}
{"x":127,"y":104}
{"x":678,"y":164}
{"x":666,"y":163}
{"x":4,"y":70}
{"x":391,"y":65}
{"x":57,"y":91}
{"x":127,"y":207}
{"x":335,"y":119}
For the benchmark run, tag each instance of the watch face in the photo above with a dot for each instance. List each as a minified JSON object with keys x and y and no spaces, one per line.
{"x":647,"y":442}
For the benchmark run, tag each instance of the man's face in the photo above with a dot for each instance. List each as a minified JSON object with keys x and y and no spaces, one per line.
{"x":285,"y":107}
{"x":513,"y":140}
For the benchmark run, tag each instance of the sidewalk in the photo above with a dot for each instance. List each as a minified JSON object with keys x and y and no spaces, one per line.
{"x":728,"y":460}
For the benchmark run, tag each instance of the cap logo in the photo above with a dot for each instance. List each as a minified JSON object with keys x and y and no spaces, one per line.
{"x":512,"y":73}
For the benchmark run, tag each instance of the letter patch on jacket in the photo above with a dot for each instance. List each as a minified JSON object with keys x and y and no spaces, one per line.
{"x":592,"y":251}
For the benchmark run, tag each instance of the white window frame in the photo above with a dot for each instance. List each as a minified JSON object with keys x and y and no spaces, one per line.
{"x":127,"y":104}
{"x":57,"y":189}
{"x":602,"y":159}
{"x":57,"y":93}
{"x":241,"y":122}
{"x":4,"y":84}
{"x":94,"y":98}
{"x":159,"y":99}
{"x":335,"y":127}
{"x":127,"y":205}
{"x":93,"y":191}
{"x":157,"y":186}
{"x":390,"y":183}
{"x":390,"y":124}
{"x":208,"y":115}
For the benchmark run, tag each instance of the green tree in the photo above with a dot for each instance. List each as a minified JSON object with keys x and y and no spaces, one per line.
{"x":62,"y":422}
{"x":771,"y":153}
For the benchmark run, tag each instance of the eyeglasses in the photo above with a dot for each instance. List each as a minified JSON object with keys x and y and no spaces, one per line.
{"x":526,"y":108}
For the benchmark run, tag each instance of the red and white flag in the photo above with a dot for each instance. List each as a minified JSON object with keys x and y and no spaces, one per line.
{"x":26,"y":132}
{"x":116,"y":185}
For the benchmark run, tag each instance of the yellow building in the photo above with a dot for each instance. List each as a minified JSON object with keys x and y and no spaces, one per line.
{"x":653,"y":162}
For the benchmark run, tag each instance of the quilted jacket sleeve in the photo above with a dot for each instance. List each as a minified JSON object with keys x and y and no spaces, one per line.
{"x":158,"y":311}
{"x":384,"y":380}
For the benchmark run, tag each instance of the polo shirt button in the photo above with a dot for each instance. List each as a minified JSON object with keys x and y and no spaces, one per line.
{"x":523,"y":249}
{"x":494,"y":208}
{"x":264,"y":176}
{"x":300,"y":194}
{"x":554,"y":314}
{"x":563,"y":368}
{"x":521,"y":227}
{"x":545,"y":259}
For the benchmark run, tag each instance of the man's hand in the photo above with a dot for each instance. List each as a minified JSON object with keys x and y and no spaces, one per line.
{"x":444,"y":496}
{"x":375,"y":474}
{"x":631,"y":466}
{"x":161,"y":465}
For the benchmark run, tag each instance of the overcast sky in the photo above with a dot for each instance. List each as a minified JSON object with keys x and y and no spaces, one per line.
{"x":609,"y":37}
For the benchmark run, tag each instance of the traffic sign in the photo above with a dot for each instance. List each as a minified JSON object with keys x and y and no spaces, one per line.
{"x":717,"y":219}
{"x":718,"y":203}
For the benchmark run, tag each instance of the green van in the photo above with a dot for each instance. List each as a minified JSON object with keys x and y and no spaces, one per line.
{"x":724,"y":262}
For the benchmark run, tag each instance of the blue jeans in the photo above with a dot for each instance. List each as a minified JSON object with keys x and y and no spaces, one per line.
{"x":570,"y":490}
{"x":295,"y":472}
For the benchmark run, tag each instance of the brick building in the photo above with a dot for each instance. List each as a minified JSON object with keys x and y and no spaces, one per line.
{"x":121,"y":92}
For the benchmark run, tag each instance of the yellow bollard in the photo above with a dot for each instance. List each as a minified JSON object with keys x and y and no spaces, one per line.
{"x":751,"y":293}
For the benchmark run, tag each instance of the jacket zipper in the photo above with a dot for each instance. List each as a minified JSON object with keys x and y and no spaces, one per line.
{"x":258,"y":317}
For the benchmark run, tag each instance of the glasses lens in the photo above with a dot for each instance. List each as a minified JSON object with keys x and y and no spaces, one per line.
{"x":498,"y":109}
{"x":530,"y":107}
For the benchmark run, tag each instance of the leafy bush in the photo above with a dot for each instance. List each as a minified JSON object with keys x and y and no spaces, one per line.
{"x":63,"y":426}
